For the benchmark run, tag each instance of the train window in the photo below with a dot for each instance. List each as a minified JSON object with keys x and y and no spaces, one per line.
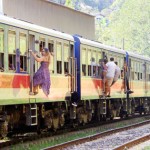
{"x":23,"y":43}
{"x":23,"y":48}
{"x":122,"y":74}
{"x":132,"y":75}
{"x":51,"y":49}
{"x":93,"y":63}
{"x":89,"y":63}
{"x":141,"y":76}
{"x":66,"y":58}
{"x":136,"y":76}
{"x":1,"y":62}
{"x":11,"y":50}
{"x":11,"y":42}
{"x":1,"y":50}
{"x":42,"y":44}
{"x":23,"y":63}
{"x":99,"y":71}
{"x":84,"y":62}
{"x":59,"y":57}
{"x":12,"y":62}
{"x":1,"y":40}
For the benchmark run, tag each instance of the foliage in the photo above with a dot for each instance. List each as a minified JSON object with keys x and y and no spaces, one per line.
{"x":131,"y":23}
{"x":69,"y":3}
{"x":120,"y":20}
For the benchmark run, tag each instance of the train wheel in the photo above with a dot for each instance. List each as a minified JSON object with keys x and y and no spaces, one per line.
{"x":3,"y":129}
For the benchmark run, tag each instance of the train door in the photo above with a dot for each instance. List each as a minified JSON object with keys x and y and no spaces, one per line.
{"x":72,"y":68}
{"x":23,"y":39}
{"x":32,"y":64}
{"x":130,"y":72}
{"x":146,"y":77}
{"x":2,"y":51}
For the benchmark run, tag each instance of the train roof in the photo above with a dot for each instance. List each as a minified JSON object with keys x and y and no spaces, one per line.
{"x":100,"y":45}
{"x":113,"y":49}
{"x":137,"y":56}
{"x":32,"y":27}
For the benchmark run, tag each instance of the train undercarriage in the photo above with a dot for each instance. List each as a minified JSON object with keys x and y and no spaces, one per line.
{"x":53,"y":116}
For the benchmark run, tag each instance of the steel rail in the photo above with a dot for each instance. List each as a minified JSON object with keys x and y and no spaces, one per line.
{"x":133,"y":143}
{"x":94,"y":137}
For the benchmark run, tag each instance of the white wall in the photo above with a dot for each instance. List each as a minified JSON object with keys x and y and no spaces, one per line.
{"x":50,"y":15}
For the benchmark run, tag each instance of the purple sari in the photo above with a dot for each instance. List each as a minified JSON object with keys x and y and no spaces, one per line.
{"x":42,"y":78}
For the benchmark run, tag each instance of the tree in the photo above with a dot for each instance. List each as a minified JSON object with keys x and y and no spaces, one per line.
{"x":69,"y":3}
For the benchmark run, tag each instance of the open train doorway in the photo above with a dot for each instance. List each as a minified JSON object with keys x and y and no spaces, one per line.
{"x":31,"y":61}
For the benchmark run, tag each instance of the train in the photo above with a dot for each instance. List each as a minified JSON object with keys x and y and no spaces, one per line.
{"x":75,"y":76}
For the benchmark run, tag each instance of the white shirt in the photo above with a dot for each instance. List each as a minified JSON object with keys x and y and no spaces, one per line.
{"x":111,"y":66}
{"x":117,"y":73}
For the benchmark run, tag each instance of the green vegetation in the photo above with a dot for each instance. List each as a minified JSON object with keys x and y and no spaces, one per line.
{"x":118,"y":21}
{"x":131,"y":22}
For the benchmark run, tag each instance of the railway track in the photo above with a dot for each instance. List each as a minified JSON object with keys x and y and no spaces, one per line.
{"x":104,"y":134}
{"x":53,"y":135}
{"x":133,"y":143}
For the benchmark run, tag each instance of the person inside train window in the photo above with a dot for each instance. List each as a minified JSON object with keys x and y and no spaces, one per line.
{"x":125,"y":84}
{"x":111,"y":66}
{"x":11,"y":66}
{"x":21,"y":67}
{"x":42,"y":76}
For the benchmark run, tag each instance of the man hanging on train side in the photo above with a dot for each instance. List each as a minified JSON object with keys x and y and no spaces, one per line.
{"x":116,"y":76}
{"x":125,"y":83}
{"x":111,"y":66}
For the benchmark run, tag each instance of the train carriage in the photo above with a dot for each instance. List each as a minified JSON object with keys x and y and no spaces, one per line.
{"x":75,"y":76}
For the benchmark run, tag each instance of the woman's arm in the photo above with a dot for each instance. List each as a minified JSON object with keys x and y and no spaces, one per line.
{"x":36,"y":58}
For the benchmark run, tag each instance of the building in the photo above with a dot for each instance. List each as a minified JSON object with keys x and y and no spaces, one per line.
{"x":51,"y":15}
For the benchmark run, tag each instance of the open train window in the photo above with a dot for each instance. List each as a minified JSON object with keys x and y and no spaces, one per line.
{"x":89,"y":70}
{"x":23,"y":63}
{"x":51,"y":49}
{"x":1,"y":50}
{"x":1,"y":62}
{"x":12,"y":50}
{"x":83,"y":70}
{"x":89,"y":63}
{"x":99,"y":69}
{"x":12,"y":62}
{"x":84,"y":62}
{"x":141,"y":76}
{"x":42,"y":44}
{"x":122,"y":74}
{"x":59,"y":57}
{"x":66,"y":58}
{"x":93,"y":64}
{"x":138,"y":76}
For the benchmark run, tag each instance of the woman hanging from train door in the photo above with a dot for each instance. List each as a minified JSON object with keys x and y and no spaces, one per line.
{"x":42,"y":76}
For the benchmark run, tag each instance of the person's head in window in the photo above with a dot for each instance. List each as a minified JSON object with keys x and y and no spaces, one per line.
{"x":111,"y":59}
